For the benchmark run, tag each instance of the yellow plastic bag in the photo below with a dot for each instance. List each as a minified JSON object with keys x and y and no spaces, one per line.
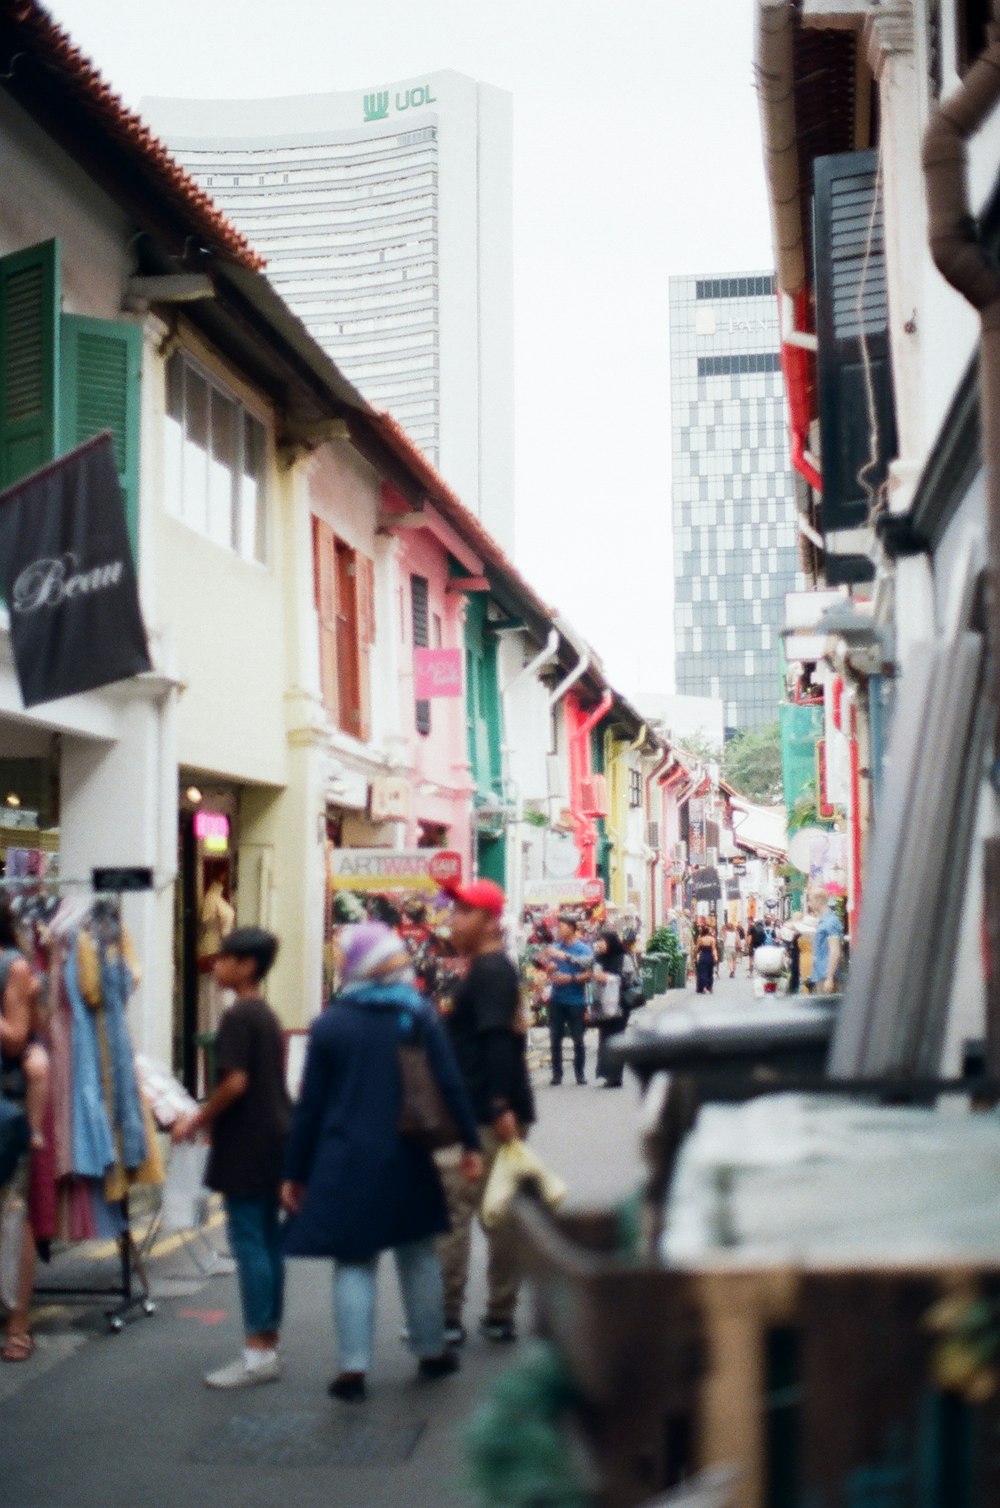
{"x":515,"y":1164}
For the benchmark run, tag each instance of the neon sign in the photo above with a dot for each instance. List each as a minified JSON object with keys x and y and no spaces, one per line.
{"x":212,"y":829}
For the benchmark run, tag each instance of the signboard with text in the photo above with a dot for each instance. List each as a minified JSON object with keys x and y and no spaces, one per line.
{"x":437,"y":672}
{"x":387,"y":869}
{"x":570,"y":892}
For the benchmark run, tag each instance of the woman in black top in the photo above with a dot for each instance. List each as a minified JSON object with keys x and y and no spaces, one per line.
{"x":609,"y":952}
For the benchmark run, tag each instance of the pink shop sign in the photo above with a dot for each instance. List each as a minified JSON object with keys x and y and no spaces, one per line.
{"x":437,"y":672}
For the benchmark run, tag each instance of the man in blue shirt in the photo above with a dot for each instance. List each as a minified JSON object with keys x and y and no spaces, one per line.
{"x":827,"y":946}
{"x":570,"y":965}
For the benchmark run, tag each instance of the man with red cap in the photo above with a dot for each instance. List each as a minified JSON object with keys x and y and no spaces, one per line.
{"x":490,"y":1048}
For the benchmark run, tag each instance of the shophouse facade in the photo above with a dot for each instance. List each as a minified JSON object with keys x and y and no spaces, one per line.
{"x":906,"y":548}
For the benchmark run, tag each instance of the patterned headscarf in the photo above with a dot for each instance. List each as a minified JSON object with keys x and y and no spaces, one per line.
{"x":372,"y":953}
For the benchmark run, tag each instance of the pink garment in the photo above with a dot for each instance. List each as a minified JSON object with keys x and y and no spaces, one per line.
{"x":61,"y":1054}
{"x":42,"y":1215}
{"x":81,"y":1211}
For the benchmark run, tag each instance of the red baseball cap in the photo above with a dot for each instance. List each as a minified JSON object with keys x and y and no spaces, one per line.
{"x":481,"y":895}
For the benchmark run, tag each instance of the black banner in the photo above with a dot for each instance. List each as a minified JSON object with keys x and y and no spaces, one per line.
{"x":75,"y":621}
{"x":705,"y":884}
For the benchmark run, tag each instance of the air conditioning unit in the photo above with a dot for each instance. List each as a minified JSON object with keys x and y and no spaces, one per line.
{"x":594,"y":796}
{"x":653,"y":836}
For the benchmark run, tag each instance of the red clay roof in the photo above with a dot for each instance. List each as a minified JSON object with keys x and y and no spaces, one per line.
{"x":40,"y":36}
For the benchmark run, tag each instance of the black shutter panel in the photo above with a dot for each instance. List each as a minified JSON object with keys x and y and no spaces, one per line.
{"x":421,"y":639}
{"x":852,"y":311}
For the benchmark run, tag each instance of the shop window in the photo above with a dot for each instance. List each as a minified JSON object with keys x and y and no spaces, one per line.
{"x":63,"y":378}
{"x":344,"y":585}
{"x":216,"y":461}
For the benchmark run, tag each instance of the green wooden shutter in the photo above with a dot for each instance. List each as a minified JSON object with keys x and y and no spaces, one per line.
{"x":101,"y":363}
{"x":29,"y":360}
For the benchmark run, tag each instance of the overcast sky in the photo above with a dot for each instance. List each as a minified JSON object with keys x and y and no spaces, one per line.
{"x":636,"y":156}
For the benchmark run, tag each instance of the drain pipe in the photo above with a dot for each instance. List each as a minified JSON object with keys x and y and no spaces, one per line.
{"x":576,"y":674}
{"x":545,"y":657}
{"x":963,"y":261}
{"x":584,"y":824}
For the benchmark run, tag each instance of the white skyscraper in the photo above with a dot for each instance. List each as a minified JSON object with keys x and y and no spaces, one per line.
{"x":385,"y":217}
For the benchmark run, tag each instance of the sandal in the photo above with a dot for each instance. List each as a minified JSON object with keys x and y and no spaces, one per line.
{"x":19,"y":1347}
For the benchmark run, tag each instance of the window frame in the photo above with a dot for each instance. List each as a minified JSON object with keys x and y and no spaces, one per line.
{"x":246,"y":414}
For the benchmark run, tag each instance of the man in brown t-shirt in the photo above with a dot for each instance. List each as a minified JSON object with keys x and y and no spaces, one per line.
{"x":248,"y":1115}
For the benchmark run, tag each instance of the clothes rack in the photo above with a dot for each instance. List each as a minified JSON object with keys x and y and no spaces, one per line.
{"x":131,"y":1292}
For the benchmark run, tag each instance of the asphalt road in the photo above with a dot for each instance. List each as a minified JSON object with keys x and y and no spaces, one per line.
{"x":116,"y":1421}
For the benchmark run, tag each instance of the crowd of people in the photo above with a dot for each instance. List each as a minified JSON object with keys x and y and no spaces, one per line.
{"x":339,"y":1175}
{"x":813,"y":947}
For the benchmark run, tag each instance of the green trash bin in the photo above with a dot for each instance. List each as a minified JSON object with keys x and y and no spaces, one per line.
{"x":662,"y":973}
{"x":648,"y":971}
{"x":678,"y":974}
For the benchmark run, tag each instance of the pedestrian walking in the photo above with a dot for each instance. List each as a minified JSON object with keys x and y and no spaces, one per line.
{"x":355,"y":1185}
{"x":706,"y":956}
{"x":570,"y":965}
{"x":827,"y":946}
{"x":247,"y":1116}
{"x":490,"y":1045}
{"x":756,"y":937}
{"x":24,"y":1078}
{"x":609,"y":983}
{"x":731,"y":945}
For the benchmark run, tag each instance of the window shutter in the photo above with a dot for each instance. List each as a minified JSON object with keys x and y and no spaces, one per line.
{"x":852,"y":314}
{"x":325,"y":587}
{"x":29,"y":360}
{"x":99,"y":384}
{"x":366,"y":638}
{"x":420,"y":608}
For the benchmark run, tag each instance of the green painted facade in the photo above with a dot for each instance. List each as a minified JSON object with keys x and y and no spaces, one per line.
{"x":485,"y":735}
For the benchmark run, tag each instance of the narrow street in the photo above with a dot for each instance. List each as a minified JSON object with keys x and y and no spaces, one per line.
{"x":108,"y":1421}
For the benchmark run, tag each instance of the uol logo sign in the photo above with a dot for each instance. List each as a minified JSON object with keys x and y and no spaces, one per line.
{"x":377,"y":104}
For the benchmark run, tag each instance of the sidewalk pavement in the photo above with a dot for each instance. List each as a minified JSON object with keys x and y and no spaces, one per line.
{"x":115,"y":1421}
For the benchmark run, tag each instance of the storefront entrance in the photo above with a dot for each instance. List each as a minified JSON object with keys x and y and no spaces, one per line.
{"x":205,"y":912}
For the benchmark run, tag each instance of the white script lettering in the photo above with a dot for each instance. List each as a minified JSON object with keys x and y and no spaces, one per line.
{"x":50,"y":583}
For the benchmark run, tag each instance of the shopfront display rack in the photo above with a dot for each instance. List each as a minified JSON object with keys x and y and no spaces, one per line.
{"x":132,"y":1290}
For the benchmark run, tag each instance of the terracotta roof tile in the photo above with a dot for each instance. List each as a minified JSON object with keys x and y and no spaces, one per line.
{"x":39,"y":35}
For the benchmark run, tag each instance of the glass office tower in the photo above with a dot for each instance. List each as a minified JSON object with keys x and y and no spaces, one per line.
{"x":734,"y":518}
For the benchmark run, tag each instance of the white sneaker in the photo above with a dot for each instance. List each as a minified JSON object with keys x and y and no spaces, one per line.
{"x":239,"y":1375}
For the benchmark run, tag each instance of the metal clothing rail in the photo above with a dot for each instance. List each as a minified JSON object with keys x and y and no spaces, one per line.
{"x":131,"y":1295}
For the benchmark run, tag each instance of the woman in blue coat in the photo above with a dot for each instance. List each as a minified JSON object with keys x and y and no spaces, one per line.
{"x":355,"y":1186}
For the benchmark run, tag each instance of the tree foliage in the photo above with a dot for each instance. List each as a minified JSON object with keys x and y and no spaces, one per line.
{"x":751,"y":762}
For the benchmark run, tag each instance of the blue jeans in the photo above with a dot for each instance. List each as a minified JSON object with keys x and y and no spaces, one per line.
{"x":572,"y":1017}
{"x":423,"y":1302}
{"x":255,"y":1242}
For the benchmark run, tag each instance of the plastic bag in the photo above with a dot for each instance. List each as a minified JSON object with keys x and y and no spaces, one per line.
{"x":185,"y":1198}
{"x":515,"y":1164}
{"x":12,"y":1218}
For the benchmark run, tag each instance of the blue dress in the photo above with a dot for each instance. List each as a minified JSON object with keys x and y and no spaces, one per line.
{"x":367,"y":1188}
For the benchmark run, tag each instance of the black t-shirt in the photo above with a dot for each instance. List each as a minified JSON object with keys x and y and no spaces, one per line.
{"x":248,"y":1139}
{"x":489,"y":1048}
